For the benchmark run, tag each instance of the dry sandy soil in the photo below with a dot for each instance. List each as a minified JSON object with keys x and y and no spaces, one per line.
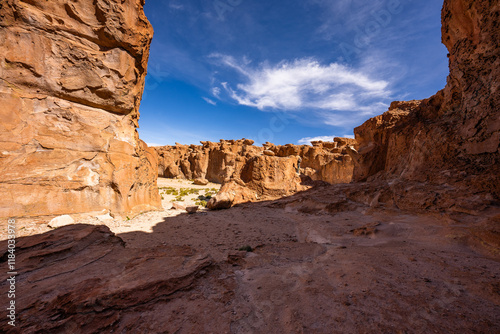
{"x":312,"y":270}
{"x":144,"y":222}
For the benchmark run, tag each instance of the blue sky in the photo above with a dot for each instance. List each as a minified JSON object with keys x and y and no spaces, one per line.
{"x":285,"y":71}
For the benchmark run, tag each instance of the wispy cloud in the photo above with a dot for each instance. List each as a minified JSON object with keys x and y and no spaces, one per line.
{"x":209,"y":101}
{"x":305,"y":84}
{"x":176,"y":6}
{"x":216,"y":92}
{"x":308,"y":140}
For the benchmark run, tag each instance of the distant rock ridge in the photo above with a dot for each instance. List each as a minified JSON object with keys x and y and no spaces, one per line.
{"x":71,"y":79}
{"x":219,"y":162}
{"x":250,"y":173}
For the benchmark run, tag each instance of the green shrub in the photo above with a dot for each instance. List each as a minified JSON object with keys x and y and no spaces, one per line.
{"x":201,"y":203}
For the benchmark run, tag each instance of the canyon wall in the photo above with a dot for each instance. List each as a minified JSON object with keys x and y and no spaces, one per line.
{"x":71,"y":80}
{"x":219,"y":162}
{"x":451,"y":140}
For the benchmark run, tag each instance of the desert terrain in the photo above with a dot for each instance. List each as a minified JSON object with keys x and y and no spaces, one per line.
{"x":294,"y":265}
{"x":395,"y":231}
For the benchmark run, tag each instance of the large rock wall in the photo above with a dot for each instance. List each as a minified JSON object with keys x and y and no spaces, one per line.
{"x":452,"y":138}
{"x":219,"y":162}
{"x":71,"y":80}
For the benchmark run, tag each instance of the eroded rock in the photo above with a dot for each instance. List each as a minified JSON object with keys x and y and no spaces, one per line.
{"x":451,"y":141}
{"x":219,"y":162}
{"x":71,"y":80}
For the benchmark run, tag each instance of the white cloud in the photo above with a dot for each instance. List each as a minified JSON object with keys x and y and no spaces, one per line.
{"x":308,"y":140}
{"x":216,"y":92}
{"x":153,"y":144}
{"x":209,"y":101}
{"x":305,"y":84}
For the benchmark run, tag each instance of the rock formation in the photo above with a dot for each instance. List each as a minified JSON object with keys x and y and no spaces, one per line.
{"x":331,"y":259}
{"x":218,"y":162}
{"x":251,"y":173}
{"x":451,"y":141}
{"x":71,"y":80}
{"x":262,"y":178}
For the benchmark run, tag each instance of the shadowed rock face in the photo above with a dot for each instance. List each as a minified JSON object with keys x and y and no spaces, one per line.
{"x":452,"y":138}
{"x":71,"y":80}
{"x":458,"y":129}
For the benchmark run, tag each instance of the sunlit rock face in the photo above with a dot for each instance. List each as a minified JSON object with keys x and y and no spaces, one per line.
{"x":72,"y":76}
{"x":452,"y":138}
{"x":251,"y":173}
{"x":219,"y":162}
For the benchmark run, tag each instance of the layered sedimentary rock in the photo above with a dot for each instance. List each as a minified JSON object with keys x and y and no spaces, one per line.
{"x":88,"y":276}
{"x":451,"y":141}
{"x":219,"y":162}
{"x":71,"y":81}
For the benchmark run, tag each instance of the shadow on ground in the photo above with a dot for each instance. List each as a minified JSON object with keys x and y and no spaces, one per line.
{"x":320,"y":263}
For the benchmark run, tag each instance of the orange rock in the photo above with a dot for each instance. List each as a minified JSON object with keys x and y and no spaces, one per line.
{"x":452,"y":138}
{"x":72,"y":79}
{"x":262,"y":178}
{"x":219,"y":162}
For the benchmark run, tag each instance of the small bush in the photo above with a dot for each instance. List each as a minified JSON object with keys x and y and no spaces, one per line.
{"x":201,"y":203}
{"x":246,"y":248}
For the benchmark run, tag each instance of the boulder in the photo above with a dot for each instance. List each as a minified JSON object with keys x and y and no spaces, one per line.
{"x":223,"y":200}
{"x":269,"y":153}
{"x":451,"y":138}
{"x":178,"y":206}
{"x":262,"y":178}
{"x":222,"y":161}
{"x":192,"y":209}
{"x":61,"y":221}
{"x":200,"y":182}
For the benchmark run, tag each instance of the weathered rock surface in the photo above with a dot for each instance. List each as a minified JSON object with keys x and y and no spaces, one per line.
{"x":263,"y":178}
{"x":219,"y":162}
{"x":61,"y":221}
{"x":82,"y":279}
{"x":71,"y":80}
{"x":251,"y":173}
{"x":450,"y":141}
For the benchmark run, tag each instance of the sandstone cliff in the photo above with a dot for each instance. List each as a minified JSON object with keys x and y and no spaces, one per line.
{"x":447,"y":145}
{"x":71,"y":80}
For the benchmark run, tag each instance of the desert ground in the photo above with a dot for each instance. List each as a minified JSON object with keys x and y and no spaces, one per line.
{"x":288,"y":266}
{"x":141,"y":223}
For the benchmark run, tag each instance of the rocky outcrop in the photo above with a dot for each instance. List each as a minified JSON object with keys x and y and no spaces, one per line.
{"x":451,"y":140}
{"x":250,"y":173}
{"x":71,"y":80}
{"x":219,"y":162}
{"x":82,"y":278}
{"x":263,"y":178}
